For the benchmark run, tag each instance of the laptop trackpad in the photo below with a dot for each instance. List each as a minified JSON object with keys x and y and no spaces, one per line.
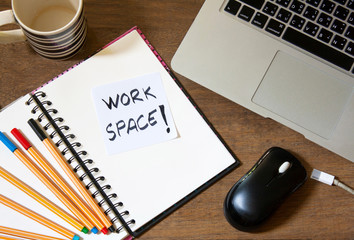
{"x":303,"y":94}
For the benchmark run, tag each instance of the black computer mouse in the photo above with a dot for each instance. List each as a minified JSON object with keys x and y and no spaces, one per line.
{"x":260,"y":192}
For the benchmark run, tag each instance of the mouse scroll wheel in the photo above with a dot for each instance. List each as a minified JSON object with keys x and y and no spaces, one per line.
{"x":285,"y":166}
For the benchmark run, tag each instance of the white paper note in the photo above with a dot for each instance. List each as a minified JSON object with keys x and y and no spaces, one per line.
{"x":133,"y":113}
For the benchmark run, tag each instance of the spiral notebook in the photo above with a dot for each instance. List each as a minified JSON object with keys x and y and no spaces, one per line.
{"x":136,"y":187}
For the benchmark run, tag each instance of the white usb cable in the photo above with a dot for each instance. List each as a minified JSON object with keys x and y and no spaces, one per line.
{"x":329,"y":179}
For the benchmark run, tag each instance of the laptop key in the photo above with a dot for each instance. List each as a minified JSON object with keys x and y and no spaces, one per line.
{"x":317,"y":48}
{"x":232,"y":7}
{"x":297,"y":6}
{"x":351,"y":18}
{"x":324,"y":19}
{"x":341,"y":12}
{"x":254,"y":3}
{"x":341,"y":1}
{"x":351,"y":4}
{"x":259,"y":20}
{"x":311,"y":28}
{"x":297,"y":22}
{"x":325,"y":35}
{"x":350,"y":33}
{"x":314,"y":3}
{"x":327,"y":6}
{"x":311,"y":13}
{"x":270,"y":8}
{"x":350,"y":48}
{"x":338,"y":26}
{"x":275,"y":27}
{"x":246,"y":13}
{"x":284,"y":3}
{"x":339,"y":42}
{"x":283,"y":15}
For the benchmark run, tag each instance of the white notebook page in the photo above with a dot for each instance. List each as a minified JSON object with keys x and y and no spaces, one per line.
{"x":147,"y":180}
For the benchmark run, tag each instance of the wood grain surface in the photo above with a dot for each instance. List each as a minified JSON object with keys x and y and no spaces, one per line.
{"x":315,"y":211}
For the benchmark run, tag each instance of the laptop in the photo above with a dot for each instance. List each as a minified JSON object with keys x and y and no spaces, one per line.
{"x":289,"y":60}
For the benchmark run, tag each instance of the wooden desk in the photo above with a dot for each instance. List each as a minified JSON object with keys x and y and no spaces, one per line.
{"x":315,"y":211}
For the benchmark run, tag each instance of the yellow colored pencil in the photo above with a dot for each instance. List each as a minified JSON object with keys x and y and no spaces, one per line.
{"x":64,"y":186}
{"x":25,"y":234}
{"x":69,"y":172}
{"x":8,"y":238}
{"x":38,"y":218}
{"x":50,"y":185}
{"x":40,"y":199}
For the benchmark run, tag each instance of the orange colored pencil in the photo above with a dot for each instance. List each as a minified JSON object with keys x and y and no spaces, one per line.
{"x":38,"y":218}
{"x":59,"y":180}
{"x":25,"y":234}
{"x":50,"y":185}
{"x":69,"y":172}
{"x":40,"y":199}
{"x":8,"y":238}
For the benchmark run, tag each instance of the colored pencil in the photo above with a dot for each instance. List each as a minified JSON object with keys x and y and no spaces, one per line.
{"x":25,"y":234}
{"x":40,"y":199}
{"x":38,"y":218}
{"x":50,"y":185}
{"x":69,"y":172}
{"x":8,"y":238}
{"x":64,"y":186}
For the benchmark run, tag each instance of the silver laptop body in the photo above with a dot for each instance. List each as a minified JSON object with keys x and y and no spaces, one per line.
{"x":261,"y":63}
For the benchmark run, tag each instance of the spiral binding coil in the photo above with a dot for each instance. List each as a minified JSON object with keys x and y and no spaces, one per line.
{"x":40,"y":105}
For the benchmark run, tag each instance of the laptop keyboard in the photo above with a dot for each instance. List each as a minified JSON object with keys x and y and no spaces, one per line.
{"x":324,"y":28}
